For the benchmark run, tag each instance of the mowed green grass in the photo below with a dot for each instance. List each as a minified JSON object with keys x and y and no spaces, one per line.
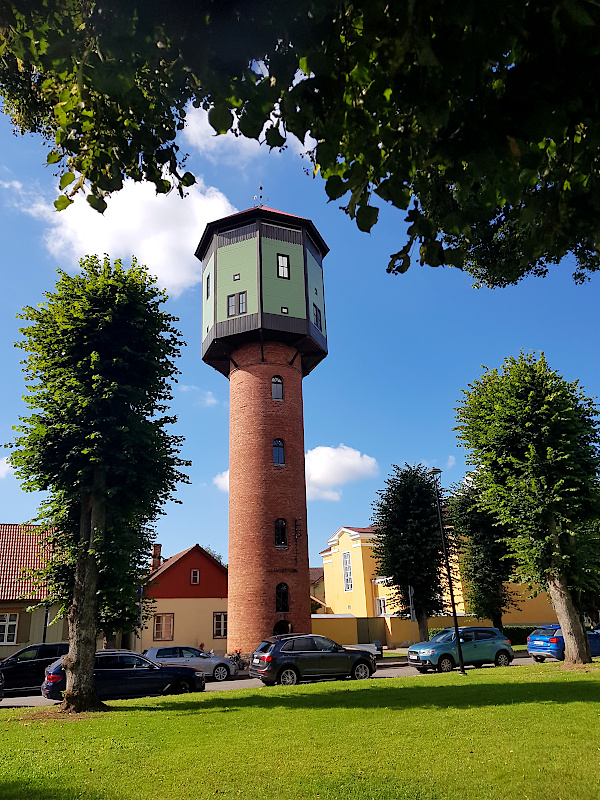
{"x":522,"y":732}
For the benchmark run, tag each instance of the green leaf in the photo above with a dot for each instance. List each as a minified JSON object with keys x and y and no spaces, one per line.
{"x":66,"y":179}
{"x":221,"y":118}
{"x":97,"y":203}
{"x":188,"y":179}
{"x":274,"y":138}
{"x":53,"y":157}
{"x":62,"y":202}
{"x":366,"y":217}
{"x":335,"y":187}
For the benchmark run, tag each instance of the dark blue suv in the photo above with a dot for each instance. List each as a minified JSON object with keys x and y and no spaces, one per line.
{"x":307,"y":657}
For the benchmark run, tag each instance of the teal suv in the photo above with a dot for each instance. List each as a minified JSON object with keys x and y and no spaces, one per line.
{"x":479,"y":646}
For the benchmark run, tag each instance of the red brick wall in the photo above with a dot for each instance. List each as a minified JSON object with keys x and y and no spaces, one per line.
{"x":175,"y":581}
{"x":261,"y":492}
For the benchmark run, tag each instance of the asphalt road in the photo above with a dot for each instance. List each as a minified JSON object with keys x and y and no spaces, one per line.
{"x":242,"y":681}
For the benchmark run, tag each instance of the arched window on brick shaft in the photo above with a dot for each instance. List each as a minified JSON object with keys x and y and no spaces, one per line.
{"x":282,"y":598}
{"x":278,"y":451}
{"x":281,"y":534}
{"x":277,"y":387}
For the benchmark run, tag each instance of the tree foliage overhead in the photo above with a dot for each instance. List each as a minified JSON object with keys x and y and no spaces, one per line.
{"x":534,"y":439}
{"x":408,"y":547}
{"x":480,"y":120}
{"x":100,"y":360}
{"x":485,"y":568}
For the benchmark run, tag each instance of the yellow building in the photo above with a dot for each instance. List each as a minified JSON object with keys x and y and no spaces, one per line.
{"x":353,"y":589}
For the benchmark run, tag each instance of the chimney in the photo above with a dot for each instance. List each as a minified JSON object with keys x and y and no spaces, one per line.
{"x":156,"y":558}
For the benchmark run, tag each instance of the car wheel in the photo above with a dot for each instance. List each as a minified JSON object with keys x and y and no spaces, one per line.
{"x":221,"y":673}
{"x":539,"y":659}
{"x":445,"y":664}
{"x":502,"y":659}
{"x":183,"y":686}
{"x":360,"y":671}
{"x":288,"y":676}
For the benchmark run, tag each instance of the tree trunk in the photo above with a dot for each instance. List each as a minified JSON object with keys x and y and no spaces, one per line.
{"x":422,"y":622}
{"x":80,"y":694}
{"x":109,"y":640}
{"x":577,"y":646}
{"x":497,"y":621}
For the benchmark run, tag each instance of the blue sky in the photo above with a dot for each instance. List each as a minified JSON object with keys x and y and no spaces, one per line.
{"x":401,"y":348}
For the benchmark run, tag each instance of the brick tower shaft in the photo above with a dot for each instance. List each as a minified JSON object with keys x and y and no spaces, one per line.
{"x":269,"y":583}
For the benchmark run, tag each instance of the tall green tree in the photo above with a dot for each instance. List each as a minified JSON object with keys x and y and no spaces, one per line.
{"x":485,"y":567}
{"x":534,"y":438}
{"x":479,"y":120}
{"x":408,"y":547}
{"x":100,"y":361}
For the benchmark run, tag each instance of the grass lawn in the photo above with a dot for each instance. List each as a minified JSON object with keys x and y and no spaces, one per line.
{"x":522,"y":732}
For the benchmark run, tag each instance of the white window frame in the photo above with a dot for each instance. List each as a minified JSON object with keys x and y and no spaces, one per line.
{"x":381,"y":606}
{"x":283,"y":266}
{"x":195,"y":576}
{"x":347,"y":571}
{"x":219,"y":624}
{"x":9,"y":625}
{"x":164,"y":625}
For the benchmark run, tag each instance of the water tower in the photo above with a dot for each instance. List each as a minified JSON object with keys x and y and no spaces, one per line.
{"x":263,"y":326}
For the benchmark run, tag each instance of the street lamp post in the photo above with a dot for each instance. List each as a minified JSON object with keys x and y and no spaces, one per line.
{"x":436,"y":473}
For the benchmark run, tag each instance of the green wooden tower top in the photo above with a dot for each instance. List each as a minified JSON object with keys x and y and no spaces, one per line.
{"x":262,"y":280}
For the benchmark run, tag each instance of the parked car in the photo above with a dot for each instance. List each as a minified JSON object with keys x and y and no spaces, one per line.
{"x":547,"y":642}
{"x":1,"y":686}
{"x":215,"y":666}
{"x":292,"y":658}
{"x":24,"y":670}
{"x":479,"y":646}
{"x":123,"y":673}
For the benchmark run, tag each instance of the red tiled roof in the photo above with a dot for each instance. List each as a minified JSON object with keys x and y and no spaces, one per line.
{"x":20,"y":549}
{"x":316,"y":574}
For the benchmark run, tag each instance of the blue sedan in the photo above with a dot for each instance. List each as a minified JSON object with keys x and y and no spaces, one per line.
{"x":123,"y":673}
{"x":547,"y":642}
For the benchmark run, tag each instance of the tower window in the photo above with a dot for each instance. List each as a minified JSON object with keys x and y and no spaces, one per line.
{"x":236,"y":277}
{"x":317,"y":316}
{"x":208,"y":286}
{"x":281,"y":534}
{"x":285,"y":310}
{"x":283,"y":266}
{"x":282,"y":598}
{"x":278,"y":451}
{"x":236,"y":304}
{"x":276,"y":387}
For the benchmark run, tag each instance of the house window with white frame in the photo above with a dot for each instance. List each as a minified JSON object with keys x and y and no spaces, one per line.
{"x":219,"y":625}
{"x":380,"y":606}
{"x":347,"y":568}
{"x":8,"y":628}
{"x":194,"y":576}
{"x":163,"y":627}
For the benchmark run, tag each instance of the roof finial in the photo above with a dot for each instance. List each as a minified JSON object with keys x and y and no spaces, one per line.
{"x":258,"y":198}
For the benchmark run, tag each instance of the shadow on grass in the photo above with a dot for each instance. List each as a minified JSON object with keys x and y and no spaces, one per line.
{"x":380,"y":694}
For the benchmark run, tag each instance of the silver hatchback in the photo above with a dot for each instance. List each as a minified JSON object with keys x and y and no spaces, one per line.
{"x":213,"y":666}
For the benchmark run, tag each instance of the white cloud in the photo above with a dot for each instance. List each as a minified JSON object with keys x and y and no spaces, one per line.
{"x":162,"y":231}
{"x":5,"y":467}
{"x":221,"y":481}
{"x":451,"y":462}
{"x":205,"y":398}
{"x":327,"y":468}
{"x":330,"y":467}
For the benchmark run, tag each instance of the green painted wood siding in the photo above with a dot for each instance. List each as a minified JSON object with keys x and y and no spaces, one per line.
{"x":315,"y":288}
{"x":237,"y":258}
{"x":279,"y":292}
{"x":208,"y":303}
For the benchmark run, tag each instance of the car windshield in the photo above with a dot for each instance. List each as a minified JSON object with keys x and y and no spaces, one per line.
{"x":546,"y":632}
{"x":444,"y":636}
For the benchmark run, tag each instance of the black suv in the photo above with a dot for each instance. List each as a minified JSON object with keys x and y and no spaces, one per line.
{"x":304,"y":657}
{"x":24,"y":670}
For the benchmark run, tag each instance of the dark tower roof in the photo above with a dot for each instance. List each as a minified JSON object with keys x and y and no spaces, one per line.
{"x":243,"y":217}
